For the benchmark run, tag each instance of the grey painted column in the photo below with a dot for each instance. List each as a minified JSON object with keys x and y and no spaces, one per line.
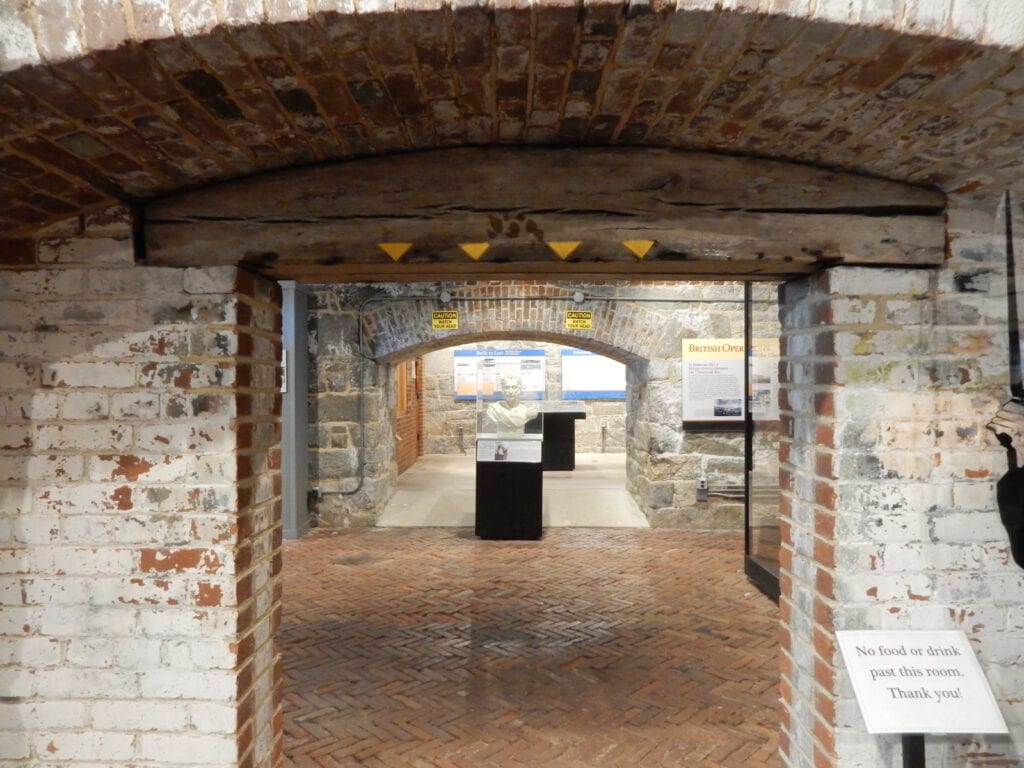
{"x":294,"y":407}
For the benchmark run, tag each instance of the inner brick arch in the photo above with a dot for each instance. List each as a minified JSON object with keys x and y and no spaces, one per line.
{"x":621,"y":330}
{"x":565,"y":339}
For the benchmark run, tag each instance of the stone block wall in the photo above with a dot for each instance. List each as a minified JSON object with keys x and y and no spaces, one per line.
{"x":888,"y":472}
{"x":351,"y":412}
{"x":139,"y":523}
{"x":358,"y":331}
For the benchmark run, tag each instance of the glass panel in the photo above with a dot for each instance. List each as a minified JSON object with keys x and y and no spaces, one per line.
{"x":507,"y":402}
{"x":762,"y":518}
{"x":509,"y":427}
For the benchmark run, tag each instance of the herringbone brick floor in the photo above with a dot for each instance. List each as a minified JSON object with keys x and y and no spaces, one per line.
{"x":430,"y":648}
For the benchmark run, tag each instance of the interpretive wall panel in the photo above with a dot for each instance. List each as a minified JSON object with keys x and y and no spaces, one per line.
{"x":589,"y":376}
{"x":477,"y":372}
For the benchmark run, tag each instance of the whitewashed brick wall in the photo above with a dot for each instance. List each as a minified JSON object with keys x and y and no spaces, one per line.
{"x":139,"y":517}
{"x":889,"y":476}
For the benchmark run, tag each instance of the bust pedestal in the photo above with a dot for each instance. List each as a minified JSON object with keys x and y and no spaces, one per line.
{"x":509,"y":488}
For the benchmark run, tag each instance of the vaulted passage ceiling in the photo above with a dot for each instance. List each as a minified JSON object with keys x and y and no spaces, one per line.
{"x":154,"y":118}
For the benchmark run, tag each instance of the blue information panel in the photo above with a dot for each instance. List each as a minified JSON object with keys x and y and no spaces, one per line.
{"x":589,"y":376}
{"x":478,"y":372}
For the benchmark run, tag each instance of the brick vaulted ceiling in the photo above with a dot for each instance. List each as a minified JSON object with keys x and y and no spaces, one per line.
{"x":155,"y":117}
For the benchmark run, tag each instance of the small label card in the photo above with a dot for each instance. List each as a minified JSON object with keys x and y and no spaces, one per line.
{"x":919,"y":682}
{"x":525,"y":451}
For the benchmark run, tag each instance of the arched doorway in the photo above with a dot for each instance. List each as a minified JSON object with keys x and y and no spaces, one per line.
{"x":129,"y":107}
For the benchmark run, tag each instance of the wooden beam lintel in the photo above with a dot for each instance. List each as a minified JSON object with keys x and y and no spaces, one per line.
{"x":704,"y":270}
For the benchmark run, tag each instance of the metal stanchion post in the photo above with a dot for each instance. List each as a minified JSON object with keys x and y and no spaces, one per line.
{"x":913,"y":750}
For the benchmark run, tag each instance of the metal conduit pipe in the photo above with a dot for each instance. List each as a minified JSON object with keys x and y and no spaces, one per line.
{"x":361,"y":398}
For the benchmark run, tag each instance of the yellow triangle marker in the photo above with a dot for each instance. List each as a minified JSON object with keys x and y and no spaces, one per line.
{"x":395,"y":250}
{"x":474,"y":250}
{"x":639,"y":247}
{"x":564,"y":249}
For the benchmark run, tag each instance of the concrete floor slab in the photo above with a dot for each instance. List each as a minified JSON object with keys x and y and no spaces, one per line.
{"x":439,"y":491}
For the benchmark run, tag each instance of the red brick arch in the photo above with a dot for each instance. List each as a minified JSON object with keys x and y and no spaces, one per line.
{"x":110,"y":103}
{"x":107,"y":103}
{"x":624,"y":331}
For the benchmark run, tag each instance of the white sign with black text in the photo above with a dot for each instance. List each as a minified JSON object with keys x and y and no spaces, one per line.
{"x":919,"y":682}
{"x":526,"y":451}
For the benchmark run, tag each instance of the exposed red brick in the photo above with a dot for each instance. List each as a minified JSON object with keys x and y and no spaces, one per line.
{"x":243,"y":556}
{"x":244,"y":649}
{"x":179,"y":561}
{"x":786,"y":532}
{"x":131,"y":468}
{"x":824,"y":751}
{"x":825,"y":494}
{"x":246,"y":706}
{"x":826,"y":705}
{"x":824,"y":404}
{"x":244,"y":678}
{"x":825,"y":553}
{"x":244,"y":739}
{"x":966,"y":189}
{"x":208,"y":594}
{"x":823,"y":465}
{"x":123,"y":498}
{"x":824,"y":435}
{"x":786,"y":558}
{"x":825,"y":344}
{"x":824,"y":645}
{"x":825,"y":525}
{"x":243,"y":589}
{"x":243,"y":466}
{"x":945,"y":55}
{"x":824,"y":583}
{"x":823,"y":614}
{"x":785,"y":691}
{"x":244,"y":433}
{"x":824,"y":675}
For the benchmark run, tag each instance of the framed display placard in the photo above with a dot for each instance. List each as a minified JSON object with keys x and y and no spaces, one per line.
{"x":713,"y":381}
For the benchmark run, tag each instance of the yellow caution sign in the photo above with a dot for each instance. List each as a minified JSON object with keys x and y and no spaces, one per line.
{"x":579,"y":319}
{"x":395,"y":250}
{"x":444,"y":320}
{"x":564,"y":249}
{"x":639,"y":247}
{"x":474,"y":250}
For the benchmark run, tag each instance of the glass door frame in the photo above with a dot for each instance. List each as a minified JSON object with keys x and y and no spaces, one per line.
{"x":758,"y":575}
